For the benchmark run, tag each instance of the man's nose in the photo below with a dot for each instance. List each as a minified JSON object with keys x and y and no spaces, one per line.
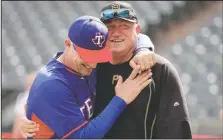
{"x":116,"y":33}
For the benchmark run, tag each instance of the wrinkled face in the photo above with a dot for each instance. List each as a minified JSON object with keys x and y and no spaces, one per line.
{"x":122,"y":35}
{"x":82,"y":67}
{"x":87,"y":68}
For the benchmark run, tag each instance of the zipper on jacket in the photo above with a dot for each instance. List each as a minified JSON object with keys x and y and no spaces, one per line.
{"x":147,"y":108}
{"x":151,"y":133}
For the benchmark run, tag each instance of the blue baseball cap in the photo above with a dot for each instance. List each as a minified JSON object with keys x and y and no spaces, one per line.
{"x":89,"y":35}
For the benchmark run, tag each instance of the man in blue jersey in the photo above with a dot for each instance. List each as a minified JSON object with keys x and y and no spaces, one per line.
{"x":61,"y":99}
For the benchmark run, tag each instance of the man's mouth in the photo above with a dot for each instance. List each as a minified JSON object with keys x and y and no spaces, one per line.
{"x":117,"y":40}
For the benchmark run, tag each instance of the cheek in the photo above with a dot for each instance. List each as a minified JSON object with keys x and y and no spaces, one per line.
{"x":109,"y":38}
{"x":131,"y":39}
{"x":129,"y":36}
{"x":130,"y":33}
{"x":109,"y":35}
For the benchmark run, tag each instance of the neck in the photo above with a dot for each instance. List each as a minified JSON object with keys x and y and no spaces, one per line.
{"x":68,"y":63}
{"x":118,"y":58}
{"x":62,"y":59}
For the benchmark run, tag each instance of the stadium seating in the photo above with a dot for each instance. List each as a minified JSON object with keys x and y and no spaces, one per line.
{"x":36,"y":32}
{"x":198,"y":59}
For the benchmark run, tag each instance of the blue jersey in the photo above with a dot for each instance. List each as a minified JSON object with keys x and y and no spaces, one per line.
{"x":62,"y":103}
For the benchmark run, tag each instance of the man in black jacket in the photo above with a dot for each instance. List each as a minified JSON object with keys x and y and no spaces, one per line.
{"x":160,"y":111}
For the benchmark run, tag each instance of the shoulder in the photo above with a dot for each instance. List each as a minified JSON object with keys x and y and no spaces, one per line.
{"x":54,"y":84}
{"x":51,"y":89}
{"x":164,"y":70}
{"x":163,"y":63}
{"x":50,"y":76}
{"x":162,"y":60}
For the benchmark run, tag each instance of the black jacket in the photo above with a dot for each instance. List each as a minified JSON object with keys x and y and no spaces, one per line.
{"x":160,"y":110}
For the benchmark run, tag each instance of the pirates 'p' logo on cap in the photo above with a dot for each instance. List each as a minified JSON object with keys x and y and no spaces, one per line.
{"x":115,"y":6}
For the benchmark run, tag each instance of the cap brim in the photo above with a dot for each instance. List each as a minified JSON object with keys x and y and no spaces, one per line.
{"x":94,"y":56}
{"x":126,"y":19}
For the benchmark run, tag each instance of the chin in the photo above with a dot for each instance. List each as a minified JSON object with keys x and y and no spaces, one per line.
{"x":87,"y":73}
{"x":117,"y":48}
{"x":116,"y":51}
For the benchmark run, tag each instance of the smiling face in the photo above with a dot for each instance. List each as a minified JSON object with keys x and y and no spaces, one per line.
{"x":71,"y":59}
{"x":79,"y":65}
{"x":122,"y":35}
{"x":85,"y":68}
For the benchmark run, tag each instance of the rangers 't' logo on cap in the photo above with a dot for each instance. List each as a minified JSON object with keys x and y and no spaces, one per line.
{"x":98,"y":39}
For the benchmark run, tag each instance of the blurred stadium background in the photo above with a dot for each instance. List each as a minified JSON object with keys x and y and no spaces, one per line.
{"x":189,"y":34}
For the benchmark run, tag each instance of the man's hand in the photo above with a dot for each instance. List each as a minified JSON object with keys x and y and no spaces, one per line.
{"x":133,"y":85}
{"x":144,"y":58}
{"x":29,"y":128}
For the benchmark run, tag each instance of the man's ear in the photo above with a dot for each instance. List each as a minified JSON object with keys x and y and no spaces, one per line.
{"x":67,"y":42}
{"x":138,"y":28}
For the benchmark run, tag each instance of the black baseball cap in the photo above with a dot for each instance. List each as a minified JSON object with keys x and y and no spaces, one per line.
{"x":117,"y":6}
